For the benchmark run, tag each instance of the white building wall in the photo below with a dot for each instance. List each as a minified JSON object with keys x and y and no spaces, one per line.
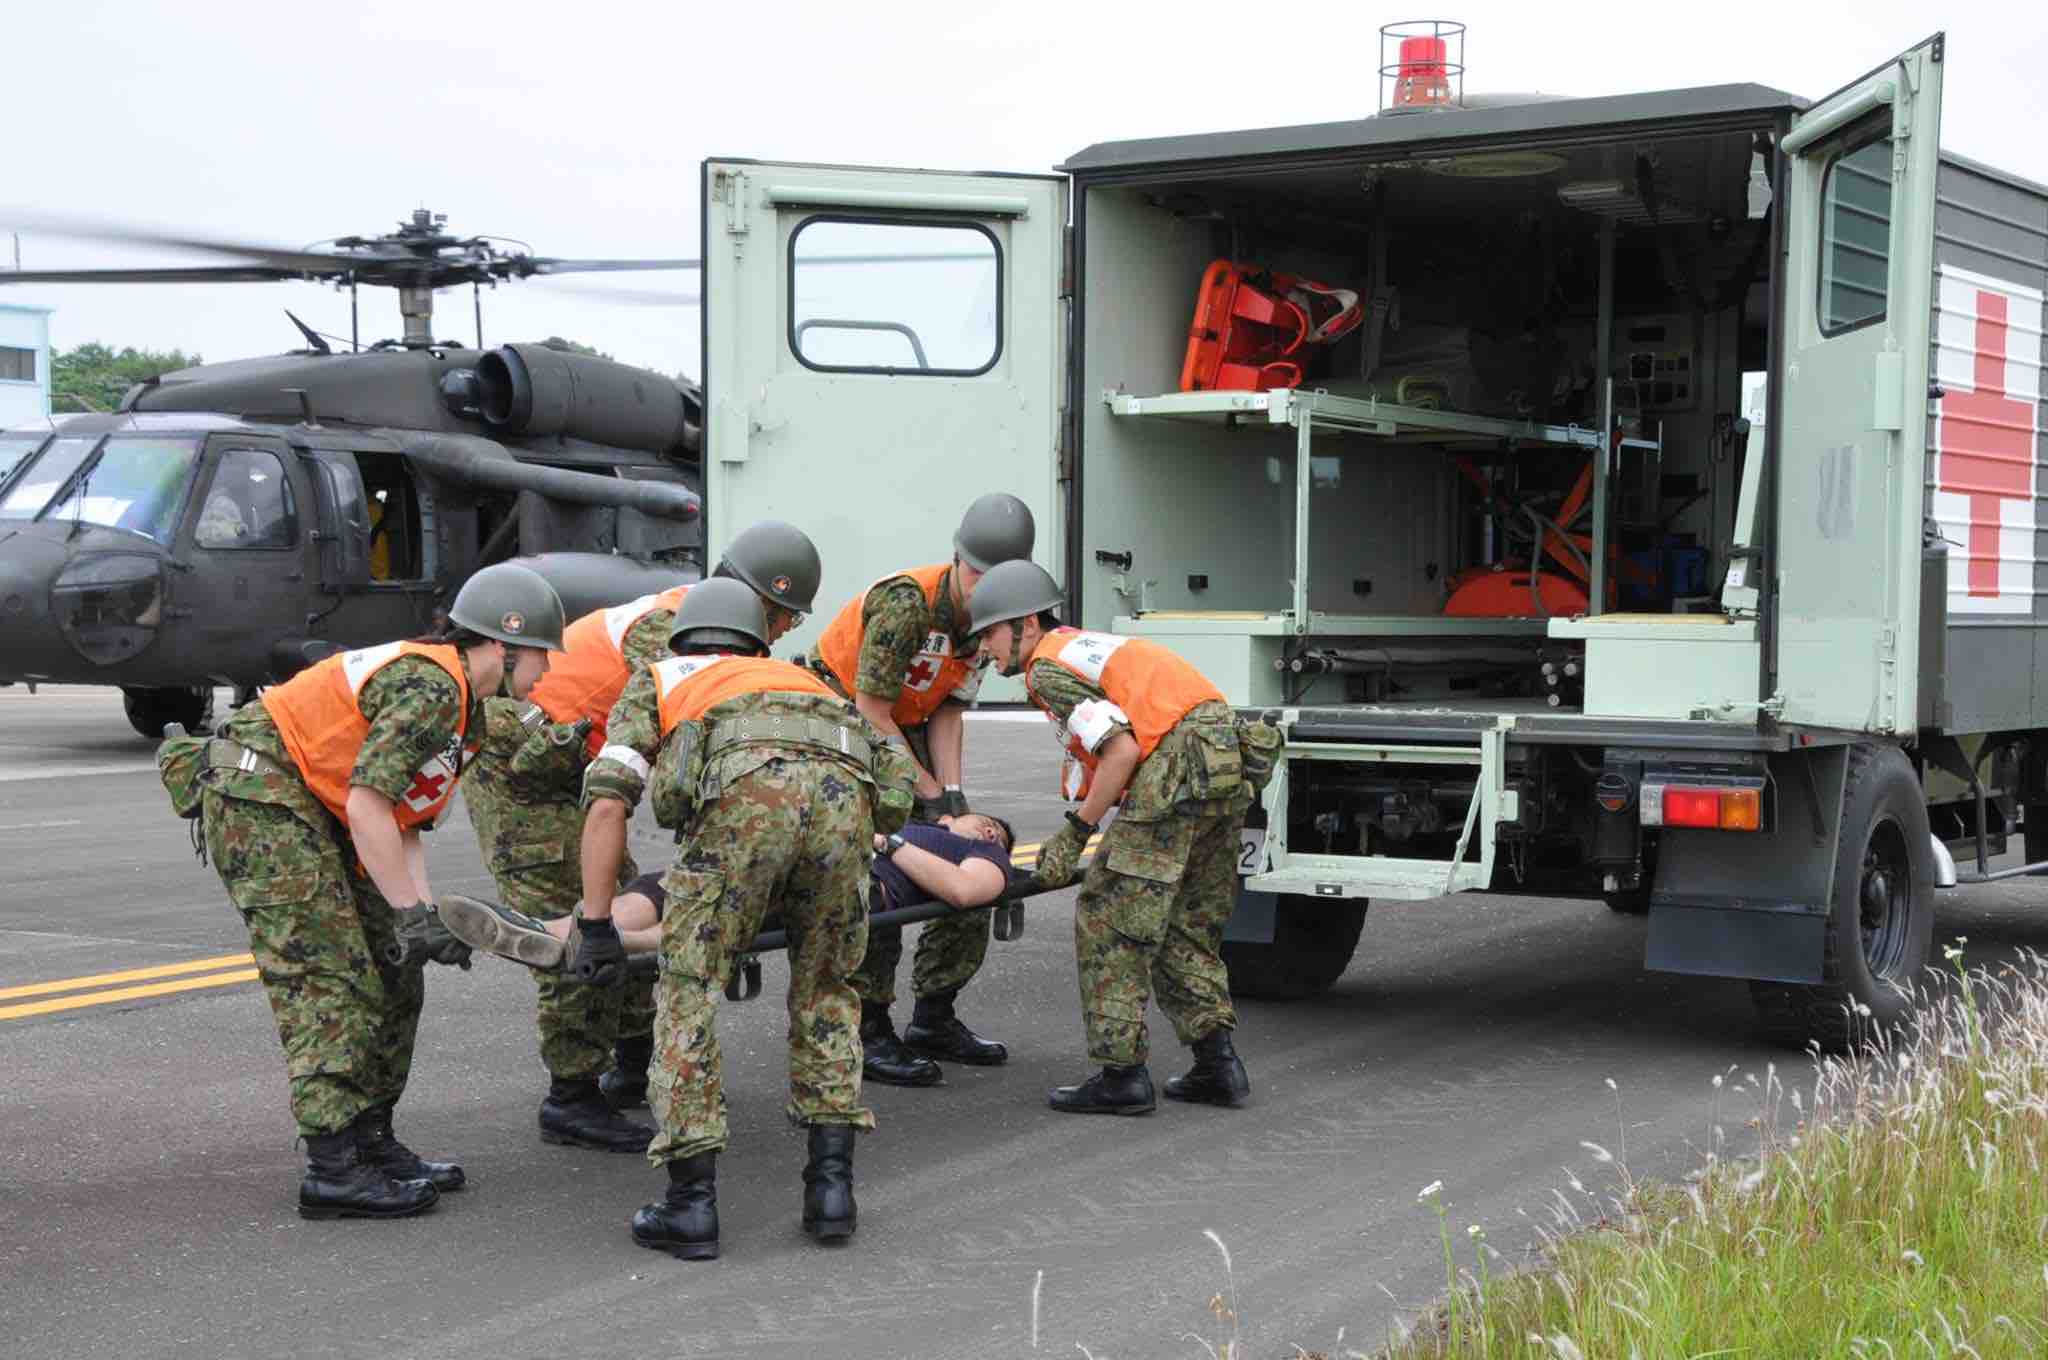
{"x":22,"y":327}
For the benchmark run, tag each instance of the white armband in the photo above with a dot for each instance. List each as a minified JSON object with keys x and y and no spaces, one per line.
{"x":1092,"y":722}
{"x":628,"y":757}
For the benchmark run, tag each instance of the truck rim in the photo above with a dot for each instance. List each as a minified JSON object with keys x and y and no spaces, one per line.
{"x":1885,"y":898}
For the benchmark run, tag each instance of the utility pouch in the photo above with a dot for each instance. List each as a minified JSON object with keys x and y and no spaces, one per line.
{"x":553,"y":755}
{"x":679,"y":776}
{"x":1259,"y":746}
{"x":181,"y":763}
{"x":895,"y":776}
{"x":1215,"y":763}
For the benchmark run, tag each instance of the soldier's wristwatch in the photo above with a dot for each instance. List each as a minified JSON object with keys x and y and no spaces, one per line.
{"x":1081,"y":824}
{"x":895,"y":843}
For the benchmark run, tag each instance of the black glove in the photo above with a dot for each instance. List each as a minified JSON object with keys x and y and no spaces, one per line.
{"x":600,"y":956}
{"x":953,"y":802}
{"x":1060,"y":857}
{"x":422,"y":937}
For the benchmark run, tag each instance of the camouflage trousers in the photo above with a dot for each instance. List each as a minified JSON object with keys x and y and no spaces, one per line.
{"x":796,"y":835}
{"x":950,"y":949}
{"x":1149,"y":923}
{"x":534,"y":848}
{"x":318,"y":929}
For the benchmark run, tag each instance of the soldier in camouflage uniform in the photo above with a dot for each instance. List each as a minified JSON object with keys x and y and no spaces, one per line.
{"x":1144,"y":731}
{"x":769,"y":779}
{"x":524,"y":794}
{"x":311,"y":802}
{"x":900,"y":653}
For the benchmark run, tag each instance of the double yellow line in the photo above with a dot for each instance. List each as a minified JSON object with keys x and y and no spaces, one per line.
{"x":133,"y":985}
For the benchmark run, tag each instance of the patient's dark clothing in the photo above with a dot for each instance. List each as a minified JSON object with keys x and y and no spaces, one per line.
{"x":895,"y":887}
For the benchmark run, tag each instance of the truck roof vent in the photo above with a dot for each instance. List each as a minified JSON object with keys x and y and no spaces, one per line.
{"x":1428,"y":66}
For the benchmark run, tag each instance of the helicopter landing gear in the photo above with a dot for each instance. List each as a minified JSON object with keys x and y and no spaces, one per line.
{"x":149,"y":709}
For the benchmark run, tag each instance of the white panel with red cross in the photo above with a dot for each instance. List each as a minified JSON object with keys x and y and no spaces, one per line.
{"x":1986,"y":431}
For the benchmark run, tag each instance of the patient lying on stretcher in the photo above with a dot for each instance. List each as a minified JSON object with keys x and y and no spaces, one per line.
{"x":963,"y":861}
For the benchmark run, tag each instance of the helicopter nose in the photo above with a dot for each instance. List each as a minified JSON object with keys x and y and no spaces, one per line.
{"x":30,"y":644}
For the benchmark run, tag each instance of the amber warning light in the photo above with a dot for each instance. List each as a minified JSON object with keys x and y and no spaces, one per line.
{"x":1712,"y":807}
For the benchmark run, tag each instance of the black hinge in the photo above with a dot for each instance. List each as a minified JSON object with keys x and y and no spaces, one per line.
{"x":1940,"y":43}
{"x":1066,"y":262}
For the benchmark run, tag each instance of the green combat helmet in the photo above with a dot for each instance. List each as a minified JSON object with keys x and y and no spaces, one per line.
{"x":720,"y":612}
{"x":778,"y":560}
{"x":1011,"y":590}
{"x":996,"y":528}
{"x":512,"y":604}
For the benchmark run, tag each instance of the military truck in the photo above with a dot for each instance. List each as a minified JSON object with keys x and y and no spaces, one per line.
{"x":1665,"y":529}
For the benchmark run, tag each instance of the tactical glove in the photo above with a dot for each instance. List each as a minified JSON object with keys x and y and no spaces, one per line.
{"x":1060,"y":857}
{"x":600,"y":955}
{"x":422,"y":937}
{"x":953,"y":803}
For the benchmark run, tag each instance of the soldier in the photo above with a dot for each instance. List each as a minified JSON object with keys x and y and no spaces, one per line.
{"x":900,"y":653}
{"x":524,"y":799}
{"x":768,"y":778}
{"x":1143,"y":729}
{"x":312,"y":801}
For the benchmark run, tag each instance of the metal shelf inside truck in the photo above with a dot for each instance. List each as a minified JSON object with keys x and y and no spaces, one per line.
{"x":1326,"y":411}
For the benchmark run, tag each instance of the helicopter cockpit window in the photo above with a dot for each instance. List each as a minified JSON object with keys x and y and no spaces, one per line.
{"x":45,"y":476}
{"x":249,"y":504}
{"x":916,"y":298}
{"x":136,"y":483}
{"x":14,"y":448}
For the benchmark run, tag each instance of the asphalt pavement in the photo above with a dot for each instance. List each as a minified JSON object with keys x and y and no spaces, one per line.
{"x":148,"y":1168}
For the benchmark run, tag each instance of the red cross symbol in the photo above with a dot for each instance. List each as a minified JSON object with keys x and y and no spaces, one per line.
{"x":1987,"y":443}
{"x":426,"y":788}
{"x":921,"y":674}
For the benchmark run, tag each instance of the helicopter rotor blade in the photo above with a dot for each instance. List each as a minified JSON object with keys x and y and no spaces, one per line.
{"x":294,"y":262}
{"x":548,"y":265}
{"x":225,"y":273}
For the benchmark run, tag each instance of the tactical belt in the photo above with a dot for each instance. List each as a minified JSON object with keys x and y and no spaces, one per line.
{"x":825,"y":734}
{"x":222,"y":754}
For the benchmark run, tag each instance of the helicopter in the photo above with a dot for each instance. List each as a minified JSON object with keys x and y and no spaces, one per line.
{"x":232,"y":523}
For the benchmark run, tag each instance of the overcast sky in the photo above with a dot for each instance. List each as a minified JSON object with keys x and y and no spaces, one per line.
{"x":580,"y":127}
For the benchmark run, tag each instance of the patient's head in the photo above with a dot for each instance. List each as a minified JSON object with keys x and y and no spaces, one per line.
{"x":978,"y":826}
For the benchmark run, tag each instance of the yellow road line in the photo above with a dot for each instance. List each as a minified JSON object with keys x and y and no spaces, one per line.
{"x":72,"y":1003}
{"x":80,"y":984}
{"x":1028,"y":852}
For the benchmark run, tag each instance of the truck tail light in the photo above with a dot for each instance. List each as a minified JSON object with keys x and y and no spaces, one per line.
{"x":1714,"y":808}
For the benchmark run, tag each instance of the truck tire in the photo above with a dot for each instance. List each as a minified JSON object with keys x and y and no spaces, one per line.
{"x":1628,"y":901}
{"x":1313,"y":940}
{"x":1881,"y":930}
{"x":2035,"y":839}
{"x":149,"y":709}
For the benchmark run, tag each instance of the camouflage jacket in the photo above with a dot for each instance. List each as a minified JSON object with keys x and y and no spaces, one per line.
{"x":1157,"y":788}
{"x":895,"y":620}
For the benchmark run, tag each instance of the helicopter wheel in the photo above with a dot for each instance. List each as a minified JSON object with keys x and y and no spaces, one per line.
{"x":150,"y":709}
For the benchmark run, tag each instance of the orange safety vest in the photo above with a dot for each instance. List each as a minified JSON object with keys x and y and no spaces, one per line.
{"x":1154,"y":687}
{"x":586,"y":679}
{"x":688,"y":687}
{"x":321,"y":719}
{"x":934,"y":673}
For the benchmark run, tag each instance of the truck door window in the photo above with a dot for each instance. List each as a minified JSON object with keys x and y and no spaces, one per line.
{"x":1855,"y":236}
{"x":249,"y":503}
{"x":877,"y":296}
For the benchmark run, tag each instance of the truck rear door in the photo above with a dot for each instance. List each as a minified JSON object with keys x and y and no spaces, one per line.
{"x":880,"y":347}
{"x":1853,"y":382}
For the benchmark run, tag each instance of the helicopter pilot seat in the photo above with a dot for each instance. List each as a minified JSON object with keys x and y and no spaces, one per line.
{"x":223,"y":523}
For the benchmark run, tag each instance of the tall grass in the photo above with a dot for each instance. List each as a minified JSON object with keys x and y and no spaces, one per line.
{"x":1896,"y":1208}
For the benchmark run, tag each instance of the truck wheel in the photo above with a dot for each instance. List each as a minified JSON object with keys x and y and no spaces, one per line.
{"x":149,"y":709}
{"x":1313,"y":940}
{"x":1882,"y":927}
{"x":1628,"y":901}
{"x":2036,"y":835}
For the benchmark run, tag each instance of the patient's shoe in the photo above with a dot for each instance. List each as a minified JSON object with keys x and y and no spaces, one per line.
{"x":500,"y":930}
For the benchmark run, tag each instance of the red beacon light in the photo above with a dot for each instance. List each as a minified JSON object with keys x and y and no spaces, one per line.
{"x":1429,"y":69}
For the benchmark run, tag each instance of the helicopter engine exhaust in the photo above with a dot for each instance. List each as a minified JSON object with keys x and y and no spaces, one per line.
{"x":538,"y":391}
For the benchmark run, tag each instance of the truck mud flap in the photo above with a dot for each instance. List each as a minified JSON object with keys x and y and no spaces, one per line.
{"x":1385,"y":876}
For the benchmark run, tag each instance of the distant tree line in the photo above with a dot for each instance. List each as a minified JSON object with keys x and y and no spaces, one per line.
{"x":94,"y":377}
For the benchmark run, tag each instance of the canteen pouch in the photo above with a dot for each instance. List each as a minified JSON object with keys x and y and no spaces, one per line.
{"x":679,"y":776}
{"x":181,"y":763}
{"x":551,"y":758}
{"x":1215,"y":767}
{"x":1258,"y":745}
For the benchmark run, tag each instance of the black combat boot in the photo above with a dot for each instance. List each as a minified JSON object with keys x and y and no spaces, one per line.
{"x":1113,"y":1090}
{"x":625,"y":1086}
{"x":339,"y":1185}
{"x":379,"y":1147}
{"x":575,"y":1115}
{"x":684,"y":1222}
{"x":936,"y":1032}
{"x":883,"y":1056}
{"x":828,"y":1184}
{"x":1217,"y":1078}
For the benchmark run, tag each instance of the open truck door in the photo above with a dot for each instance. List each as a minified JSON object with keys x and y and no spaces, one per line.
{"x":880,"y":348}
{"x":1851,"y":393}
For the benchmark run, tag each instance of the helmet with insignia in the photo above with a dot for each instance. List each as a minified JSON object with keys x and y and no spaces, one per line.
{"x":512,"y":604}
{"x":778,"y":560}
{"x":1011,"y":590}
{"x":721,"y":612}
{"x":996,"y":528}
